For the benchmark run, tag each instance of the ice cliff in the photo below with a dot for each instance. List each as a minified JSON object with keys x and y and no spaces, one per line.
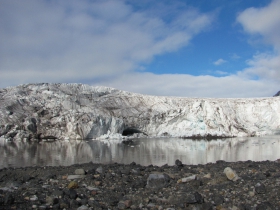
{"x":77,"y":111}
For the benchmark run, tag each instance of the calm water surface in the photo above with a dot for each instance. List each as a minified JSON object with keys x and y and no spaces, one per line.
{"x":156,"y":151}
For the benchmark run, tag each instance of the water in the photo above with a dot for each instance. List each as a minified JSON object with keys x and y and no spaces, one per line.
{"x":156,"y":151}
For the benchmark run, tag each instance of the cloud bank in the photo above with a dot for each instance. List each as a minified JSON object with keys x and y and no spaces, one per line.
{"x":192,"y":86}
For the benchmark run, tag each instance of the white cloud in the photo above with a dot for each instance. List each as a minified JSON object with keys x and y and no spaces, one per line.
{"x":184,"y":85}
{"x":265,"y":22}
{"x":265,"y":66}
{"x":219,"y":62}
{"x":73,"y":41}
{"x":234,"y":56}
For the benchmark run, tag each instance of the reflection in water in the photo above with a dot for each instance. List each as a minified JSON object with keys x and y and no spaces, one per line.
{"x":158,"y":151}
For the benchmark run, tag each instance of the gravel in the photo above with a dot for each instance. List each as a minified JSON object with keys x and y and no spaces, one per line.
{"x":119,"y":186}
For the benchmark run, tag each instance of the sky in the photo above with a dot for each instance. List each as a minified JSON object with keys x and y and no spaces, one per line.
{"x":186,"y":48}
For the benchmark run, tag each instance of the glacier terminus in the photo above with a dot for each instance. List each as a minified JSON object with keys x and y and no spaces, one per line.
{"x":78,"y":111}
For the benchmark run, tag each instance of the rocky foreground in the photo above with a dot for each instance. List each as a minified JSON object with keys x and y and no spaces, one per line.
{"x":221,"y":185}
{"x":77,"y":111}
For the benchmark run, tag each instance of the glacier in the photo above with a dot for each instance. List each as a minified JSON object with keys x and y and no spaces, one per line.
{"x":79,"y":111}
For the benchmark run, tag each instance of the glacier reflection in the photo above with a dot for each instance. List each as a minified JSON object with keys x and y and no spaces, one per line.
{"x":157,"y":151}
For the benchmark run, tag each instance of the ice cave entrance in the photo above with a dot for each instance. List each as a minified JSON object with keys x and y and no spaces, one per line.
{"x":130,"y":131}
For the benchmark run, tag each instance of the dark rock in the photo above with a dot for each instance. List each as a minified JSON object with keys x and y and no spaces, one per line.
{"x":91,"y":171}
{"x":198,"y":197}
{"x":218,"y":199}
{"x":108,"y":176}
{"x":135,"y":171}
{"x":267,"y":174}
{"x":9,"y":199}
{"x":26,"y":178}
{"x":73,"y":204}
{"x":196,"y":183}
{"x":47,"y":175}
{"x":139,"y":183}
{"x":206,"y":206}
{"x":94,"y":204}
{"x":124,"y":204}
{"x":265,"y":206}
{"x":245,"y":207}
{"x":158,"y":180}
{"x":84,"y":201}
{"x":194,"y":198}
{"x":260,"y":188}
{"x":260,"y":176}
{"x":64,"y":204}
{"x":55,"y":201}
{"x":73,"y":194}
{"x":58,"y":193}
{"x":125,"y":171}
{"x":178,"y":163}
{"x":56,"y":206}
{"x":99,"y":170}
{"x":277,"y":94}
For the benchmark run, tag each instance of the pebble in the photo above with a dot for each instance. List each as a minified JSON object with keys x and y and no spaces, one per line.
{"x":100,"y":170}
{"x":75,"y":177}
{"x":92,"y":188}
{"x":49,"y":200}
{"x":188,"y":179}
{"x":33,"y":198}
{"x":251,"y":193}
{"x":80,"y":171}
{"x":231,"y":174}
{"x":124,"y":204}
{"x":73,"y":185}
{"x":83,"y":207}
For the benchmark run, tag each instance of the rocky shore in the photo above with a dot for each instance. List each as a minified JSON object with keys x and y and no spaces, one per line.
{"x":221,"y":185}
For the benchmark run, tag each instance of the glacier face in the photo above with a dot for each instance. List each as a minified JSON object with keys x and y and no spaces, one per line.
{"x":77,"y":111}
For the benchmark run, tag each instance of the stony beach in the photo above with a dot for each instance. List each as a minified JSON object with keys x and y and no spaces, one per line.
{"x":221,"y":185}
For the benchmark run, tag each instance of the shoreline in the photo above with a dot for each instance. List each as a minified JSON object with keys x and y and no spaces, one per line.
{"x":132,"y":186}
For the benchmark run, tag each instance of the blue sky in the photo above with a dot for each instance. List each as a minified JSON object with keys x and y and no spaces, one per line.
{"x":182,"y":48}
{"x":224,"y":41}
